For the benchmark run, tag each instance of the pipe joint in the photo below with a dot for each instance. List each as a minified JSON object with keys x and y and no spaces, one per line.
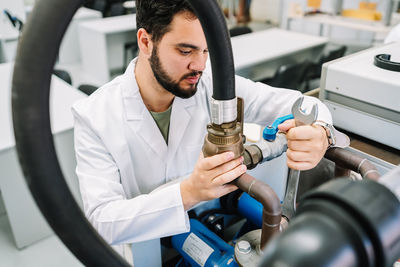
{"x":271,"y":150}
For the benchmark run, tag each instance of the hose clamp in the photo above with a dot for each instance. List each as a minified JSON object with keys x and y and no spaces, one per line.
{"x":223,"y":111}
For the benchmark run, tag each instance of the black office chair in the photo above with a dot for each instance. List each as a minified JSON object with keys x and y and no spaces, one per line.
{"x":88,"y":3}
{"x":314,"y":71}
{"x":130,"y":48}
{"x":63,"y":75}
{"x":291,"y":76}
{"x":239,"y":30}
{"x":117,"y":9}
{"x":87,"y":88}
{"x":100,"y":5}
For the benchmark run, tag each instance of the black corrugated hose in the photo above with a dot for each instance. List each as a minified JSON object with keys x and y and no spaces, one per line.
{"x":36,"y":55}
{"x":220,"y":48}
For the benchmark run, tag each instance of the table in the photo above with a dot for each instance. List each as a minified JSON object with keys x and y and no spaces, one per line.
{"x":102,"y":45}
{"x":259,"y":54}
{"x":27,"y":223}
{"x":69,"y":49}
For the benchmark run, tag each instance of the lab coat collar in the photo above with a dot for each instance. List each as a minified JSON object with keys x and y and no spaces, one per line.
{"x":140,"y":120}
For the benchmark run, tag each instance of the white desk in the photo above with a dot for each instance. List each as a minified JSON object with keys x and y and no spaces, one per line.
{"x":69,"y":49}
{"x":102,"y":44}
{"x":27,"y":223}
{"x":259,"y":54}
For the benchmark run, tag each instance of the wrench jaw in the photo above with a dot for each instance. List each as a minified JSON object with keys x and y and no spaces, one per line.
{"x":302,"y":118}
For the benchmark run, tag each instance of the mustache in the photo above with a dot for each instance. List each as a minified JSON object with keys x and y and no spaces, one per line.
{"x":192,"y":74}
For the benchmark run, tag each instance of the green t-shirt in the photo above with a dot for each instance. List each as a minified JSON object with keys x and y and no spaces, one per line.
{"x":162,"y":120}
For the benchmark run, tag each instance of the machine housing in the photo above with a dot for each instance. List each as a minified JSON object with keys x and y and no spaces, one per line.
{"x":363,"y":98}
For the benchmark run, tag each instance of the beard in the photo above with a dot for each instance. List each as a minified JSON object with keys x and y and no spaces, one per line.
{"x":167,"y":82}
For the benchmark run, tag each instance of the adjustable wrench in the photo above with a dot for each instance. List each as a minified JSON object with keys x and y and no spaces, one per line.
{"x":289,"y":202}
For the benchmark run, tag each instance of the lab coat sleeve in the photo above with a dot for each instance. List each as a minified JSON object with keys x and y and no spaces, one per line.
{"x":263,"y":104}
{"x":118,"y":219}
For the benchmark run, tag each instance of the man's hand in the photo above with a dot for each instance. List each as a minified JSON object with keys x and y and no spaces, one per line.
{"x":210,"y":178}
{"x":307,"y":144}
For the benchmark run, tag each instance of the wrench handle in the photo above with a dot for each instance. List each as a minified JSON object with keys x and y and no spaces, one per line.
{"x":289,"y":203}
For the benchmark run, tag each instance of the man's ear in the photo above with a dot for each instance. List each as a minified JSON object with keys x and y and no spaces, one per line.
{"x":144,"y":42}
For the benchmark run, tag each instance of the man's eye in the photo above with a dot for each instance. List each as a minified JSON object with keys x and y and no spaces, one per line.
{"x":185,"y":52}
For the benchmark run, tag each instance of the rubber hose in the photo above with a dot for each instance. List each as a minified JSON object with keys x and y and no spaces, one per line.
{"x":36,"y":55}
{"x":220,"y":48}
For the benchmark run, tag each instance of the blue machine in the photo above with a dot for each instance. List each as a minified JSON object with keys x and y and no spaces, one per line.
{"x":202,"y":247}
{"x":250,"y":209}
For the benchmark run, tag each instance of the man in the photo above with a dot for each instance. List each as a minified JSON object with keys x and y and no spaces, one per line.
{"x":140,"y":132}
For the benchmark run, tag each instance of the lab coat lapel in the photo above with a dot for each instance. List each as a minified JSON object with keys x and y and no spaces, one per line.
{"x":138,"y":117}
{"x":180,"y":119}
{"x":148,"y":130}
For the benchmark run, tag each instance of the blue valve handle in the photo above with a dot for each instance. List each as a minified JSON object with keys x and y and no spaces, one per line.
{"x":270,"y":131}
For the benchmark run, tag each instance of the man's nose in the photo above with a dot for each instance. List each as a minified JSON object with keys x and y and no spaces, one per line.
{"x":198,"y":62}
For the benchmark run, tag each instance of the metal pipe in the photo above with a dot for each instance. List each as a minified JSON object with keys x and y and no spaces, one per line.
{"x":271,"y":205}
{"x":348,"y":160}
{"x":263,"y":151}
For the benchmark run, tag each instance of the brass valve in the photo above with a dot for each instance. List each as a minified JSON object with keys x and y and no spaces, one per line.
{"x":226,"y":137}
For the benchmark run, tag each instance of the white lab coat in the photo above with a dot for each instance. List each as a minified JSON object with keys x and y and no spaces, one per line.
{"x":122,"y":157}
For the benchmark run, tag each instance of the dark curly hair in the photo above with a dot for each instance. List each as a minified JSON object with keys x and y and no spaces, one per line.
{"x":155,"y":16}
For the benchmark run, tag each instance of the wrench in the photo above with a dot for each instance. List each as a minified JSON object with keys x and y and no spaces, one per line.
{"x":301,"y":118}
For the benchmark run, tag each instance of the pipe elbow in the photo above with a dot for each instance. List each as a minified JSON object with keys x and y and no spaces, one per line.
{"x":272,"y":210}
{"x":351,"y":161}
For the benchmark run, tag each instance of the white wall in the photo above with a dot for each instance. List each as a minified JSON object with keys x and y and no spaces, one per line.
{"x":2,"y":208}
{"x":9,"y":34}
{"x":266,"y":10}
{"x":16,"y":8}
{"x":336,"y":34}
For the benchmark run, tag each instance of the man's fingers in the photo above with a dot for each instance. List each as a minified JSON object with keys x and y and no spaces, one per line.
{"x":304,"y":132}
{"x":299,"y":155}
{"x":227,"y":166}
{"x":285,"y":126}
{"x":300,"y":165}
{"x":300,"y":145}
{"x":216,"y":160}
{"x":229,"y":176}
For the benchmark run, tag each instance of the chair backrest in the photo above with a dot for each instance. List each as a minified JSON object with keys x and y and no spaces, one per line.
{"x":88,"y":3}
{"x":100,"y":5}
{"x":334,"y":54}
{"x":291,"y":76}
{"x":63,"y":75}
{"x":117,"y":9}
{"x":239,"y":30}
{"x":315,"y":70}
{"x":87,"y":88}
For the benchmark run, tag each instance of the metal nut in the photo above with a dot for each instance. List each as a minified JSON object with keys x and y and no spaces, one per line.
{"x":244,"y":247}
